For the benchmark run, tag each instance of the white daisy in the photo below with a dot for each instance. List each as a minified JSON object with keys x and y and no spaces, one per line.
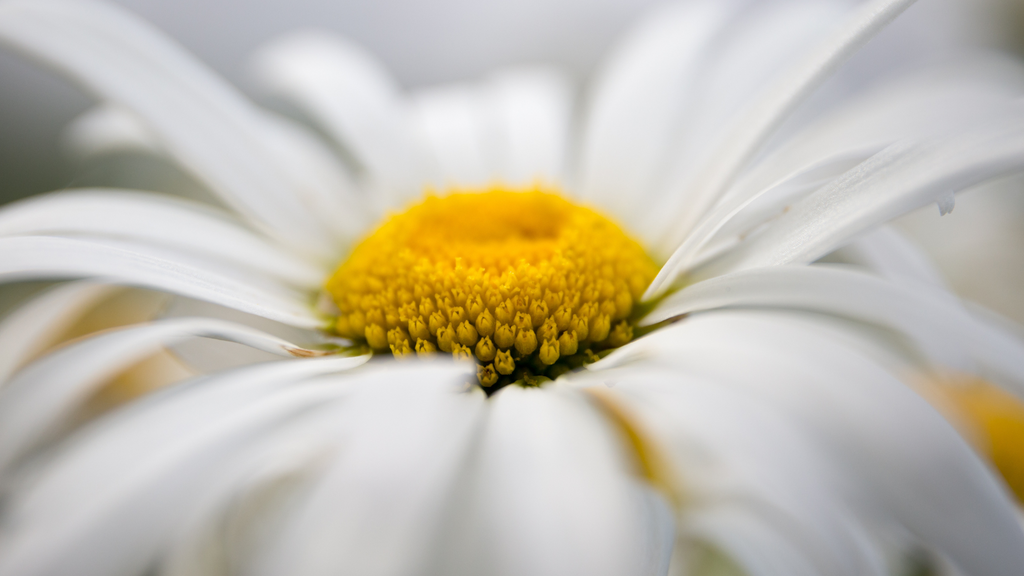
{"x":763,"y":424}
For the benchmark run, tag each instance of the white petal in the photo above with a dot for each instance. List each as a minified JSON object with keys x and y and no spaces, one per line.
{"x":532,"y":111}
{"x":380,"y":507}
{"x":118,"y":526}
{"x":937,"y":325}
{"x":731,"y":451}
{"x":351,"y":95}
{"x":158,"y":219}
{"x":907,"y":456}
{"x":33,"y":327}
{"x":916,"y":107}
{"x":552,"y":494}
{"x":750,"y":541}
{"x":752,"y":127}
{"x":637,"y":101}
{"x":455,"y":126}
{"x":321,"y":182}
{"x":36,"y":401}
{"x":887,"y":253}
{"x":106,"y":129}
{"x":761,"y":44}
{"x":39,"y":257}
{"x":893,"y":182}
{"x":199,"y":119}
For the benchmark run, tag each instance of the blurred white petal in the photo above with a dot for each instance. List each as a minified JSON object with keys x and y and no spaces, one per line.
{"x":750,"y":128}
{"x":144,"y":217}
{"x":120,"y":527}
{"x":352,"y":97}
{"x":893,"y":182}
{"x":906,"y":455}
{"x":197,"y":117}
{"x":35,"y":326}
{"x":35,"y":401}
{"x":41,"y":257}
{"x":551,"y":493}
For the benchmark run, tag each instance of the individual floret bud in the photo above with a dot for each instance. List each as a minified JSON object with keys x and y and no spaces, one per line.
{"x":485,"y":323}
{"x":376,"y":337}
{"x":580,"y":326}
{"x":621,"y":334}
{"x":568,"y":343}
{"x":427,"y":307}
{"x":457,"y":315}
{"x":459,"y":296}
{"x":519,"y":303}
{"x":505,"y":336}
{"x":437,"y":321}
{"x":396,"y":335}
{"x":562,"y":317}
{"x":538,"y":312}
{"x":523,"y":321}
{"x":446,"y":338}
{"x":526,"y":342}
{"x":418,"y":329}
{"x":548,"y":330}
{"x":461,"y":352}
{"x":375,"y":316}
{"x":425,"y":348}
{"x":407,"y":312}
{"x":504,"y":363}
{"x":401,"y":349}
{"x":474,"y":307}
{"x":486,"y":375}
{"x":552,"y":299}
{"x":549,"y":352}
{"x":504,"y":312}
{"x":599,"y":331}
{"x":485,"y":349}
{"x":467,"y":334}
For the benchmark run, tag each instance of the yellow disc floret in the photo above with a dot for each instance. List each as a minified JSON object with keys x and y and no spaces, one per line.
{"x":515,"y":279}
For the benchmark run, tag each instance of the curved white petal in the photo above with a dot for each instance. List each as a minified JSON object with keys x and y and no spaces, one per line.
{"x":105,"y":129}
{"x":36,"y":401}
{"x":321,"y":181}
{"x":935,"y":322}
{"x":380,"y":506}
{"x":759,"y":44}
{"x":924,"y":105}
{"x":751,"y":128}
{"x":157,"y":219}
{"x":910,"y":460}
{"x":902,"y":177}
{"x":749,"y":540}
{"x":33,"y":327}
{"x":119,"y":526}
{"x":887,"y":253}
{"x":731,"y":452}
{"x":552,"y":493}
{"x":455,"y":128}
{"x":43,"y":258}
{"x":638,"y":97}
{"x":351,"y":95}
{"x":199,"y":119}
{"x":532,"y":110}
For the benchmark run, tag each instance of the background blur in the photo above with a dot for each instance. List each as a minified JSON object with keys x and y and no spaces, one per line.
{"x":978,"y":246}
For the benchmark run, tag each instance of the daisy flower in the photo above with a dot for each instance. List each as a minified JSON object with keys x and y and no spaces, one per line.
{"x":666,"y":332}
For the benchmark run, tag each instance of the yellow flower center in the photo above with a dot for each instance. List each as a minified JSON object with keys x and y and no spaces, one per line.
{"x":525,"y":282}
